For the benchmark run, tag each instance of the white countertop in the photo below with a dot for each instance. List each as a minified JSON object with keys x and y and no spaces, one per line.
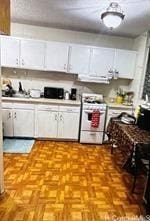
{"x":119,"y":106}
{"x":42,"y":100}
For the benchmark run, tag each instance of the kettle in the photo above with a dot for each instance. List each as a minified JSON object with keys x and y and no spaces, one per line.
{"x":67,"y":95}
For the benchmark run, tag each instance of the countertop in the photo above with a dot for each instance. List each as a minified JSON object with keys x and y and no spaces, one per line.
{"x":121,"y":106}
{"x":42,"y":100}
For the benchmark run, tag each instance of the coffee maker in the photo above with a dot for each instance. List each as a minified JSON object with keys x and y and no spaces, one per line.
{"x":73,"y":95}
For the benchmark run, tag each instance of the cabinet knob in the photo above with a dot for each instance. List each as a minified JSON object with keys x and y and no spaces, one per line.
{"x":15,"y":116}
{"x":17,"y":61}
{"x":70,"y":67}
{"x":61,"y":117}
{"x":9,"y":116}
{"x":56,"y":117}
{"x":116,"y":74}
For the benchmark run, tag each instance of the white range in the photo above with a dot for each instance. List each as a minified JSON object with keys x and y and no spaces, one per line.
{"x":90,"y":104}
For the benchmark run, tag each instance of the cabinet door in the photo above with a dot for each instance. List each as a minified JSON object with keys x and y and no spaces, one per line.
{"x":47,"y":124}
{"x":56,"y":56}
{"x":10,"y":52}
{"x":23,"y":123}
{"x":32,"y":54}
{"x":102,"y":60}
{"x":68,"y":126}
{"x":125,"y":63}
{"x":114,"y":112}
{"x":79,"y":58}
{"x":7,"y":122}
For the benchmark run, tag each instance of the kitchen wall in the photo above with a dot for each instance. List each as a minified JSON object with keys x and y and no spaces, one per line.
{"x":39,"y":79}
{"x":1,"y":146}
{"x":141,"y":45}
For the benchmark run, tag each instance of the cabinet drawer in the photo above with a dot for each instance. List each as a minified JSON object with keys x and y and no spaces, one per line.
{"x":91,"y":137}
{"x":47,"y":107}
{"x":23,"y":106}
{"x":7,"y":105}
{"x":69,"y":109}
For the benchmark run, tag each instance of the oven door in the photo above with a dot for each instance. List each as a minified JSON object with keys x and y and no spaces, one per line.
{"x":87,"y":118}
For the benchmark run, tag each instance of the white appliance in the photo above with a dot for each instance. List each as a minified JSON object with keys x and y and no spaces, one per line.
{"x":90,"y":103}
{"x":35,"y":93}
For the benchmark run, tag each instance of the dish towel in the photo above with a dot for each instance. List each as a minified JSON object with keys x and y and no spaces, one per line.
{"x":95,"y":119}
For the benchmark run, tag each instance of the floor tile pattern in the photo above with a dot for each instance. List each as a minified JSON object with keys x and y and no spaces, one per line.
{"x":67,"y":181}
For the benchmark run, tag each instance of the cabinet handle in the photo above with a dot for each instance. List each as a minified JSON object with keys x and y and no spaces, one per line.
{"x":116,"y":74}
{"x":93,"y":134}
{"x":9,"y":116}
{"x":70,"y":67}
{"x":64,"y":66}
{"x":22,"y":62}
{"x":15,"y":116}
{"x":17,"y":61}
{"x":61,"y":117}
{"x":56,"y":117}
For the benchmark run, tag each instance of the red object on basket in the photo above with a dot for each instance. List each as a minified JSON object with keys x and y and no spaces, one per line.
{"x":95,"y":118}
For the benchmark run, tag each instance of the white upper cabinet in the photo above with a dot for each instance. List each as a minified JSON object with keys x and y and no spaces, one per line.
{"x":32,"y":54}
{"x":56,"y":57}
{"x":79,"y":58}
{"x":125,"y":63}
{"x":102,"y":60}
{"x":10,"y":52}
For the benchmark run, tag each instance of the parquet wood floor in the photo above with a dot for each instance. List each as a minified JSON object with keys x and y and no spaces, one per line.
{"x":66,"y":181}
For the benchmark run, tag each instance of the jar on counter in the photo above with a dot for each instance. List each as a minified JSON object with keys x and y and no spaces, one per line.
{"x":119,"y":99}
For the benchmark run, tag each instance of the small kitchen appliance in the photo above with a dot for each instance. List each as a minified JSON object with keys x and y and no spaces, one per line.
{"x":143,"y":120}
{"x":53,"y":93}
{"x":93,"y":116}
{"x":73,"y":95}
{"x":35,"y":93}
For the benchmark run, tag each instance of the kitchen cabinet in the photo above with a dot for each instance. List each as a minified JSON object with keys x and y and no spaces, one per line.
{"x":56,"y":57}
{"x":54,"y":122}
{"x":7,"y":122}
{"x":32,"y":54}
{"x":115,"y":111}
{"x":23,"y":123}
{"x":79,"y":58}
{"x":22,"y":53}
{"x":101,"y":63}
{"x":18,"y":121}
{"x":47,"y":121}
{"x":92,"y":64}
{"x":10,"y":52}
{"x":124,"y":63}
{"x":68,"y":127}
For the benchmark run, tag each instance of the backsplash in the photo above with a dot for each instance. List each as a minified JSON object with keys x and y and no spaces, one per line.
{"x":39,"y":79}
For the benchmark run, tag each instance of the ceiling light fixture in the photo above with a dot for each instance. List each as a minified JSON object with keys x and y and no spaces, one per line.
{"x":113,"y":16}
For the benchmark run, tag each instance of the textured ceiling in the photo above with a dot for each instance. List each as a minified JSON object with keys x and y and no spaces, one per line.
{"x":82,"y":15}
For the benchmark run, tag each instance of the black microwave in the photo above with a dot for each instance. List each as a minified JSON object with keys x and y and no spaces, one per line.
{"x":53,"y":93}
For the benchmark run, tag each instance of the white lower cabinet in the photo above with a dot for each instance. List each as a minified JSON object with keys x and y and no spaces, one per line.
{"x":68,"y":127}
{"x":7,"y":122}
{"x":115,"y":111}
{"x":18,"y":121}
{"x":23,"y":123}
{"x":57,"y":122}
{"x":40,"y":121}
{"x":46,"y":121}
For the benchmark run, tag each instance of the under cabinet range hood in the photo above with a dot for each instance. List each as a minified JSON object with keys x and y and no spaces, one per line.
{"x":93,"y":79}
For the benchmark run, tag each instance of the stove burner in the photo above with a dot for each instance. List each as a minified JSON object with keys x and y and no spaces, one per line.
{"x":92,"y":102}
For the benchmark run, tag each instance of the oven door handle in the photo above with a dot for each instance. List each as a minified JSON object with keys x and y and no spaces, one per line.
{"x":91,"y":111}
